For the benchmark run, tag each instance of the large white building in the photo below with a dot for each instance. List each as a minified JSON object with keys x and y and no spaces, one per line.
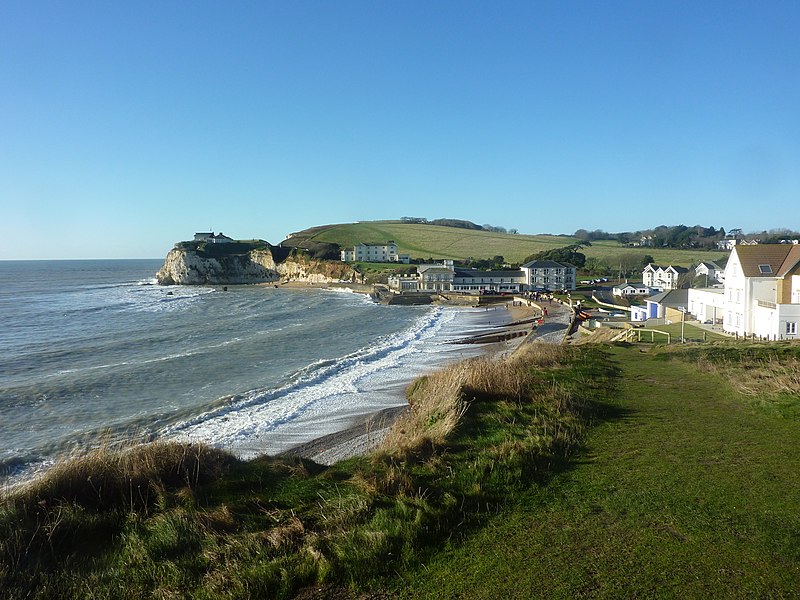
{"x":374,"y":253}
{"x":762,"y":291}
{"x":445,"y":277}
{"x":549,"y":275}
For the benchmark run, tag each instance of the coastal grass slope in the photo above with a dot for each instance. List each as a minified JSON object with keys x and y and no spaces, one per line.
{"x":435,"y":241}
{"x":169,"y":520}
{"x":688,"y":487}
{"x":589,"y":471}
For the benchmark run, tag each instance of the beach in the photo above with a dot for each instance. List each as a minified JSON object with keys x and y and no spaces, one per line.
{"x":366,"y":432}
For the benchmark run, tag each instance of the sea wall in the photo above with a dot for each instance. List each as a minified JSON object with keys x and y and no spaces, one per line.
{"x":184,"y":266}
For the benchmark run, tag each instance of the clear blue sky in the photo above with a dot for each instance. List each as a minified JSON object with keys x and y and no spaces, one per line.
{"x":126,"y":126}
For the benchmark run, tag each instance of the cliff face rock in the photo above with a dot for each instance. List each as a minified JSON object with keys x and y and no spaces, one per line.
{"x":186,"y":266}
{"x":299,"y":268}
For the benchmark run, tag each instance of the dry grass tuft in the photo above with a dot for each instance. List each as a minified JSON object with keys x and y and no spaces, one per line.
{"x":771,"y":375}
{"x":133,"y":478}
{"x":439,"y":400}
{"x":288,"y":535}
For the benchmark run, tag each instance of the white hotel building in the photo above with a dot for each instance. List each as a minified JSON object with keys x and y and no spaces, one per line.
{"x":374,"y":253}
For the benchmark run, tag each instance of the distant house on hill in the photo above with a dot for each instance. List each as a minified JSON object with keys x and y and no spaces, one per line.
{"x":210,"y":238}
{"x":731,"y":243}
{"x":372,"y":252}
{"x":711,"y":270}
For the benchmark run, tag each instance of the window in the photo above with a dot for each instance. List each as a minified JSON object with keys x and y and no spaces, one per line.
{"x":791,"y":328}
{"x":765,"y":269}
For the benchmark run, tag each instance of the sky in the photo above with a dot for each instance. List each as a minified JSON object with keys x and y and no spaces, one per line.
{"x":128,"y":126}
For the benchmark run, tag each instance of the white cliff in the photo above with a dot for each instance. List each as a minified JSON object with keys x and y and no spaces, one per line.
{"x":187,"y":266}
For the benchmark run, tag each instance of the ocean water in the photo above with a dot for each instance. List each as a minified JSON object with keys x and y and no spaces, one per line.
{"x":94,"y":352}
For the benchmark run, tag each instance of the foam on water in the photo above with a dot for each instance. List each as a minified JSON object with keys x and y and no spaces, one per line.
{"x":332,"y":382}
{"x":94,"y":350}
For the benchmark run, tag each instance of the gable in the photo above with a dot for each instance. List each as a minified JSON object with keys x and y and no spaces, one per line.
{"x":791,"y":264}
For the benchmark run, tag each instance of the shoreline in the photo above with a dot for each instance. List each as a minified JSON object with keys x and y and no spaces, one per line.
{"x":365,"y":432}
{"x":344,"y":431}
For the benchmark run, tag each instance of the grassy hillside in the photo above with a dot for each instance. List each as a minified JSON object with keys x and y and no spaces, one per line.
{"x":423,"y":241}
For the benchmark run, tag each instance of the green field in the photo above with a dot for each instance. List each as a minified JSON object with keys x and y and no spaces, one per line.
{"x":424,"y":241}
{"x":690,"y":332}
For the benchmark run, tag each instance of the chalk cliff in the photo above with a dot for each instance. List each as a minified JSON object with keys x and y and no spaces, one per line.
{"x":192,"y":266}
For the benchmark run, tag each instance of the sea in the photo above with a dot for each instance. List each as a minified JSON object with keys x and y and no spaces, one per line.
{"x":95,"y":353}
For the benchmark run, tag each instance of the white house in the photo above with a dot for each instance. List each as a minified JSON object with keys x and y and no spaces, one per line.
{"x":662,"y":278}
{"x":631,"y":289}
{"x":711,"y":270}
{"x":762,"y":291}
{"x":374,"y":253}
{"x":547,"y":275}
{"x":210,"y":238}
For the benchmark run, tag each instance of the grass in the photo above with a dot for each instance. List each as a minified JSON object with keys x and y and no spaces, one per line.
{"x":685,"y":488}
{"x":608,"y":250}
{"x":691,"y":333}
{"x":592,"y":471}
{"x":167,"y":520}
{"x":423,"y":241}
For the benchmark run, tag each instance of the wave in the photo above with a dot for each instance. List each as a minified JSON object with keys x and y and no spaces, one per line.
{"x":261,"y":411}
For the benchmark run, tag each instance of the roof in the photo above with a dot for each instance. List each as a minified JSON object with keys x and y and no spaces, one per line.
{"x":547,"y":264}
{"x":775,"y":255}
{"x":677,"y":269}
{"x":434,"y":267}
{"x":710,"y":265}
{"x":671,"y":298}
{"x":479,"y":273}
{"x":791,"y":261}
{"x":629,"y":285}
{"x":375,"y":243}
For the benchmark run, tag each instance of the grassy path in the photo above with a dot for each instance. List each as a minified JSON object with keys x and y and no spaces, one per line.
{"x":684,"y":489}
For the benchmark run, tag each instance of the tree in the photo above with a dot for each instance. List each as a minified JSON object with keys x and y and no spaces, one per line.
{"x":567,"y":254}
